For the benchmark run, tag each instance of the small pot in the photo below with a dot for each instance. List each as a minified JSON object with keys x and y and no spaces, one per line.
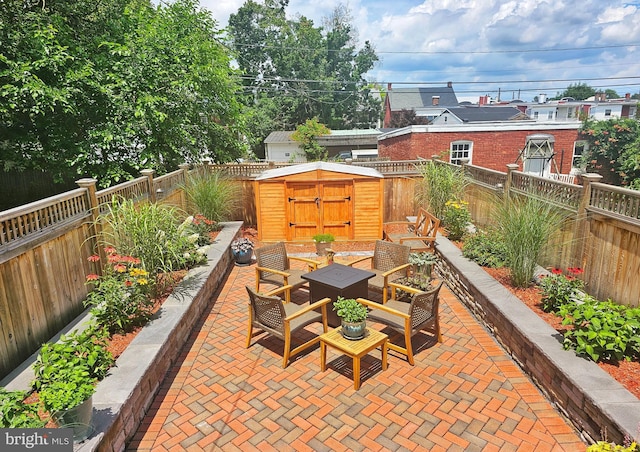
{"x":78,"y":418}
{"x":321,"y":248}
{"x":354,"y":330}
{"x":242,"y":257}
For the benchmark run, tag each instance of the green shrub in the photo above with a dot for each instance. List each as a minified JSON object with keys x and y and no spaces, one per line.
{"x":327,"y":238}
{"x":79,"y":353}
{"x":440,"y":183}
{"x":120,"y":298}
{"x":15,"y":413}
{"x":211,"y":194}
{"x":559,"y":289}
{"x":154,"y":233}
{"x":486,"y":248}
{"x":66,"y":393}
{"x":526,"y":225}
{"x":602,"y":330}
{"x":456,"y":218}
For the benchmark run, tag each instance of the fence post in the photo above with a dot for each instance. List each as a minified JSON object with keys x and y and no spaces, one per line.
{"x":94,"y":208}
{"x":152,"y":193}
{"x":582,"y":222}
{"x":511,"y":167}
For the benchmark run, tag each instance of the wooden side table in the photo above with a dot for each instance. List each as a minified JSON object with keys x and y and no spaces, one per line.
{"x":355,"y":349}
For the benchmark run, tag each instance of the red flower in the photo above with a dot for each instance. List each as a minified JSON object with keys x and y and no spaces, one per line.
{"x":575,"y":270}
{"x":92,"y":277}
{"x":94,"y":258}
{"x":556,"y":271}
{"x":128,"y":283}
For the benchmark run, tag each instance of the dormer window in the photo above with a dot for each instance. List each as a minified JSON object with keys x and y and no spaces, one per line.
{"x":435,"y":100}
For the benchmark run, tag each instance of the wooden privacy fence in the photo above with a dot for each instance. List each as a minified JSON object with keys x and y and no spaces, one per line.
{"x":44,"y":245}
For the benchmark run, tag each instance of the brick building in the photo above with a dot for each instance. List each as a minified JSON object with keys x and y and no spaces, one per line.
{"x":537,"y":147}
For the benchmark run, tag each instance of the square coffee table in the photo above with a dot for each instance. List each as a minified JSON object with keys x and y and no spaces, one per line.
{"x":336,"y":280}
{"x":355,"y":349}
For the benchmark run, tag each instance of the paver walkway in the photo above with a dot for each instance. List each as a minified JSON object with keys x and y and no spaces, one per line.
{"x":463,"y":394}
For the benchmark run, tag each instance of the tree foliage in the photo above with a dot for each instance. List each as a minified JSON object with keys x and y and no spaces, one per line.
{"x":613,"y":150}
{"x":306,"y":134}
{"x":104,"y":89}
{"x":294,"y":70}
{"x":579,"y":91}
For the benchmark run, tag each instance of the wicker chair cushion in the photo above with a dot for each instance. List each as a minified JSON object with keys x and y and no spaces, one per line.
{"x":295,"y":278}
{"x":304,"y":320}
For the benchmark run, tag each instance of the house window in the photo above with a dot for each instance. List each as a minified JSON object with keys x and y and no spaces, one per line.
{"x":435,"y":100}
{"x":550,"y":115}
{"x":578,"y":150}
{"x":607,"y":112}
{"x":570,"y":113}
{"x":535,"y":114}
{"x":460,"y":150}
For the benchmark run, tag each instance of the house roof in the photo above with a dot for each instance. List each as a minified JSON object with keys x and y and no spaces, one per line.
{"x":490,"y":113}
{"x":413,"y":98}
{"x":312,"y":166}
{"x":336,"y":138}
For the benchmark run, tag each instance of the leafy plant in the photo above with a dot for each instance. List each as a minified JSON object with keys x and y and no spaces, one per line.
{"x":212,"y":195}
{"x":602,"y":330}
{"x":307,"y":135}
{"x":605,"y":446}
{"x":559,"y":289}
{"x":67,"y":392}
{"x":152,"y":232}
{"x":15,"y":413}
{"x":120,"y":298}
{"x":439,"y":183}
{"x":486,"y":248}
{"x":78,"y":353}
{"x":526,"y":224}
{"x":326,"y":238}
{"x":241,"y":245}
{"x":456,"y":218}
{"x":350,"y":310}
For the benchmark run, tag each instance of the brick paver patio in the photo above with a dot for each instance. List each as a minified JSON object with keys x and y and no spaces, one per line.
{"x":463,"y":394}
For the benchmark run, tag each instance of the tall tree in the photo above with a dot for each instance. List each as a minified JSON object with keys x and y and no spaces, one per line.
{"x":107,"y":88}
{"x":294,"y":71}
{"x":613,"y":150}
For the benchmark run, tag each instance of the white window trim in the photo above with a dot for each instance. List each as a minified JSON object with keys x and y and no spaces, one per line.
{"x":461,"y":142}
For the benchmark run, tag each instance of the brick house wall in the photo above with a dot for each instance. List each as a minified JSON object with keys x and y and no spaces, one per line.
{"x":492,"y":149}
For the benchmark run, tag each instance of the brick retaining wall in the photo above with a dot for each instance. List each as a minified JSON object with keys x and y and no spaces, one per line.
{"x":588,"y":396}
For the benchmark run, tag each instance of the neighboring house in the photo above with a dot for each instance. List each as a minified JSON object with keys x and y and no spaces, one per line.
{"x":539,"y":148}
{"x":475,"y":114}
{"x":280,"y":147}
{"x":427,"y":103}
{"x":571,"y":110}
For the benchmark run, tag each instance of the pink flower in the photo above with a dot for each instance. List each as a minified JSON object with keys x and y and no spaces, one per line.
{"x":120,"y":268}
{"x":92,"y":277}
{"x":94,"y":258}
{"x":110,"y":250}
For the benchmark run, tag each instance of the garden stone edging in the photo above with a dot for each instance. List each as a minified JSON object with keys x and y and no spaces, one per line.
{"x":124,"y":396}
{"x":589,"y":397}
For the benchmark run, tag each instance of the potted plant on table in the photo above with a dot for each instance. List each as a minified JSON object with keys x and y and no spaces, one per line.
{"x":323,"y":241}
{"x":353,"y":315}
{"x":242,"y":250}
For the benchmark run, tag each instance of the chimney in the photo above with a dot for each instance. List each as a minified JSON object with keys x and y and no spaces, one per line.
{"x":484,"y":100}
{"x":449,"y":84}
{"x":627,"y":96}
{"x":542,"y":98}
{"x":388,"y":86}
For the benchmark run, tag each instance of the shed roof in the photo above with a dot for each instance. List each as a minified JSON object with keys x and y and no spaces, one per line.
{"x":312,"y":166}
{"x":336,"y":138}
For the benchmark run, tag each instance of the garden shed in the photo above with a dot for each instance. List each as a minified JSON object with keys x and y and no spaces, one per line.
{"x":296,"y":202}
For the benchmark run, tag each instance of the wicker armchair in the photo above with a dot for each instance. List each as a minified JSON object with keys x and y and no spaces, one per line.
{"x":389,"y":261}
{"x":273,"y":266}
{"x":268,"y":313}
{"x":407,"y":319}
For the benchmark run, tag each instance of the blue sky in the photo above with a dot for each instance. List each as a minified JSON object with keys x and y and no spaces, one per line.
{"x":515,"y":48}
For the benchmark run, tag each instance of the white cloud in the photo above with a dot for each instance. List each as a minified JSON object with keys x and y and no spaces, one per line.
{"x":488,"y":40}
